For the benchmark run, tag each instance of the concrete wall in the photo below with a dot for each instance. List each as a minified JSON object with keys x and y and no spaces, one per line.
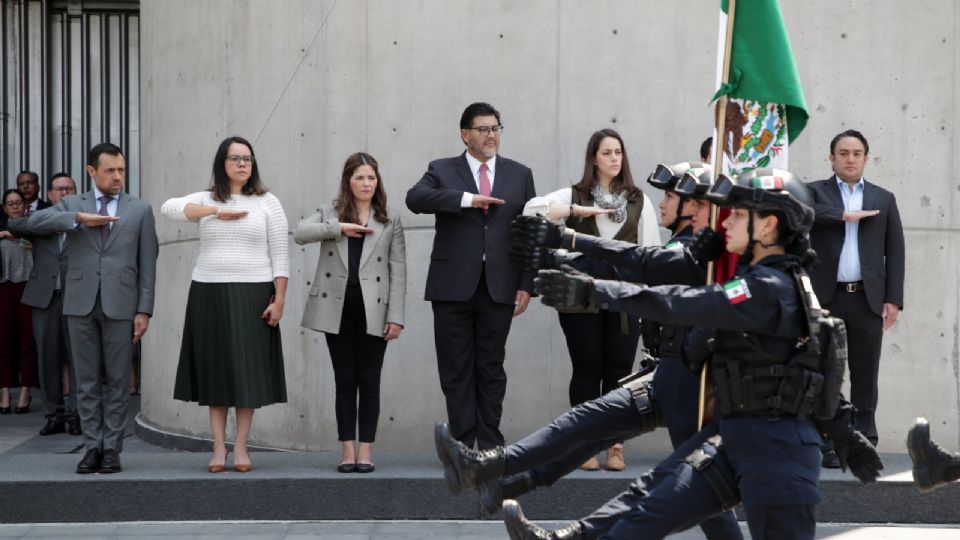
{"x":310,"y":82}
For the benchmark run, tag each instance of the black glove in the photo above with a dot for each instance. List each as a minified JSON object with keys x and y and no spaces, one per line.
{"x":535,"y":231}
{"x":533,"y":259}
{"x":860,"y":456}
{"x":565,"y":288}
{"x":707,"y":245}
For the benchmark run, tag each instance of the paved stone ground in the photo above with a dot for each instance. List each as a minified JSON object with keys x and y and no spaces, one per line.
{"x":396,"y":530}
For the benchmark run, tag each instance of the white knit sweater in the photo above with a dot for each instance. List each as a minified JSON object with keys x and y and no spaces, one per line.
{"x":251,"y":249}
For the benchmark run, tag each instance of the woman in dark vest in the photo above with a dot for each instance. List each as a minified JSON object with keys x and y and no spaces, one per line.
{"x":605,"y":202}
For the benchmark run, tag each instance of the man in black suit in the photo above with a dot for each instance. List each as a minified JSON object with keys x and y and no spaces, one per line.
{"x":28,"y":183}
{"x":474,"y":290}
{"x":859,"y":239}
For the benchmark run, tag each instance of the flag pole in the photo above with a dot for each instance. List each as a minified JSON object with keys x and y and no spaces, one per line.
{"x":718,"y":144}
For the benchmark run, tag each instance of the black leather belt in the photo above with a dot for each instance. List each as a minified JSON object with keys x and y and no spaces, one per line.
{"x":850,"y":286}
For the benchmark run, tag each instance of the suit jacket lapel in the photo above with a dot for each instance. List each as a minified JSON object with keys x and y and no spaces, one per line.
{"x":371,"y":240}
{"x":833,"y":191}
{"x":123,"y":211}
{"x":343,"y":247}
{"x":463,"y":169}
{"x":869,"y":196}
{"x":88,"y":204}
{"x":499,"y":179}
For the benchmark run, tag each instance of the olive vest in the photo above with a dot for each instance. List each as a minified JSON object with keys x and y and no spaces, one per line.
{"x":627,"y":232}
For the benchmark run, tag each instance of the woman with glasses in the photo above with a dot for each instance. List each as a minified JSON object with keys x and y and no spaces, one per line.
{"x":231,"y":354}
{"x":606,"y":203}
{"x":16,"y":328}
{"x":357,"y":298}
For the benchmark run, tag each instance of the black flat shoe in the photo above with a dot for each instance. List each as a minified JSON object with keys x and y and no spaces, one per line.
{"x":364,"y":468}
{"x":346,"y":467}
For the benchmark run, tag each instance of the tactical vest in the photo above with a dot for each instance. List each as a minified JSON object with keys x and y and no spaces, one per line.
{"x":627,"y":232}
{"x":749,"y":380}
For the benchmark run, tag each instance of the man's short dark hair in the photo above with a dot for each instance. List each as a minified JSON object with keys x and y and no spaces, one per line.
{"x":850,"y":133}
{"x":705,"y":148}
{"x":93,"y":157}
{"x":477,"y":109}
{"x":60,"y":175}
{"x":33,"y":176}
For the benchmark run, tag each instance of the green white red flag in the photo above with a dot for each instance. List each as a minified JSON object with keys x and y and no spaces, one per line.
{"x":766,"y":110}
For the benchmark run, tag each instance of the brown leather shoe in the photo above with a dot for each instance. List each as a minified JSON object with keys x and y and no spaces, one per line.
{"x":592,"y":464}
{"x":615,"y":458}
{"x":243,"y":467}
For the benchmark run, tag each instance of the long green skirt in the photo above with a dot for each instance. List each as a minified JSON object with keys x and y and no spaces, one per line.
{"x":230,"y":356}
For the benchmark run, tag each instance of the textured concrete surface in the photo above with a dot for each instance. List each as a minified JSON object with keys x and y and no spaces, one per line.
{"x":309,"y":82}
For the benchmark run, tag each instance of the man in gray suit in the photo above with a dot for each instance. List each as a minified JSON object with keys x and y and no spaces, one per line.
{"x":109,"y":297}
{"x":858,"y":237}
{"x":44,"y":293}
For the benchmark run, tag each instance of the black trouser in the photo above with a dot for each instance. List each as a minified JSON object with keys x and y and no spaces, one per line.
{"x":600,"y":351}
{"x":864,"y":339}
{"x":357,"y":361}
{"x":471,"y":339}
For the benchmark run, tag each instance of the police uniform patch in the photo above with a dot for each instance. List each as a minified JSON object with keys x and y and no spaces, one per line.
{"x":736,"y":290}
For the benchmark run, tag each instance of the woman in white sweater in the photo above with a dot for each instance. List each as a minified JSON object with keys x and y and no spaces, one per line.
{"x":231,"y":354}
{"x":605,"y":202}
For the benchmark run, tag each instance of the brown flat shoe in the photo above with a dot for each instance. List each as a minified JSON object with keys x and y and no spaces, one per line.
{"x":615,"y":459}
{"x":592,"y":464}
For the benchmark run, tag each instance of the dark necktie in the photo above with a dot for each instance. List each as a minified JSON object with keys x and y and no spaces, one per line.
{"x":104,"y":229}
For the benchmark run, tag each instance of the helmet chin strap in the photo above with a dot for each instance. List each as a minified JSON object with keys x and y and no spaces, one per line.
{"x":672,"y":227}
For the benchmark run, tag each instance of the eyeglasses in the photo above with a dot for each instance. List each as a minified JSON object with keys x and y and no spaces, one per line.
{"x":237,"y":160}
{"x":13,"y":204}
{"x":64,"y":189}
{"x":486,"y":130}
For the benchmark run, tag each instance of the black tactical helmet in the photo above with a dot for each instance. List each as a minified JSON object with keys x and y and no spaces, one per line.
{"x":666,"y":177}
{"x":696,"y":182}
{"x":770,"y":190}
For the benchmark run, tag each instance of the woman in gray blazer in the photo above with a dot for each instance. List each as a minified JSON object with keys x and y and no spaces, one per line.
{"x":357,"y":298}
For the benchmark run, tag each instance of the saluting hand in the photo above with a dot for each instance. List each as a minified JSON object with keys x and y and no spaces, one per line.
{"x":354,"y":230}
{"x":94,"y":220}
{"x":230,"y":215}
{"x":854,"y":216}
{"x":484,"y":202}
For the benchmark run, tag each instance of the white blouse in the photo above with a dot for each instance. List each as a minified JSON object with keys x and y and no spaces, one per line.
{"x":648,"y":233}
{"x":252,"y":249}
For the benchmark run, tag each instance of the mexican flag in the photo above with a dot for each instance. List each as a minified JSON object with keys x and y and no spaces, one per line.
{"x":766,"y":109}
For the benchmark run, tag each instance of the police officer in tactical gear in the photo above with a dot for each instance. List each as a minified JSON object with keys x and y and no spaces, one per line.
{"x":933,"y":466}
{"x":770,"y":458}
{"x":707,"y":496}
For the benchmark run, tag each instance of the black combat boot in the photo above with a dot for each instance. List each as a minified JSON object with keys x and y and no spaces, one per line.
{"x":464,"y":468}
{"x":932,"y":465}
{"x":493,"y":492}
{"x":520,"y":529}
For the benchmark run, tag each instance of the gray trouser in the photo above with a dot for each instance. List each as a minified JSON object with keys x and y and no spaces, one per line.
{"x":53,"y":352}
{"x":100,"y":343}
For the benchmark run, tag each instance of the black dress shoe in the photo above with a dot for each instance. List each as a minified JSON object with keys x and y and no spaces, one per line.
{"x":111,"y":462}
{"x":519,"y":528}
{"x":364,"y":468}
{"x":90,"y":462}
{"x":73,"y":423}
{"x":346,"y":467}
{"x":830,"y":460}
{"x":55,"y":424}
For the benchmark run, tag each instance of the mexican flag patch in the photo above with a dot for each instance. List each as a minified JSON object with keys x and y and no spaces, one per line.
{"x":736,"y":290}
{"x":673,"y":246}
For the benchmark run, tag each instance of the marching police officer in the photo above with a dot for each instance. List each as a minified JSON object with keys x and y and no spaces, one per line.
{"x":771,"y":447}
